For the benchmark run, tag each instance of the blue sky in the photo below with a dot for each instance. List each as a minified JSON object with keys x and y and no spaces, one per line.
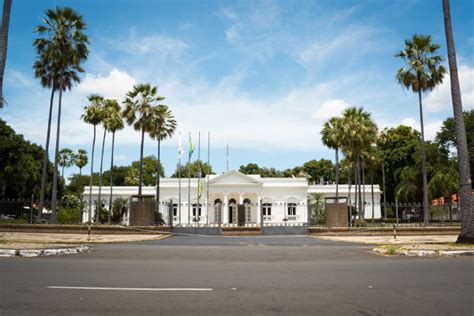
{"x":261,"y":76}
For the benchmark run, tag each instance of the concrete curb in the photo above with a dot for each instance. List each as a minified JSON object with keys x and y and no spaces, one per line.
{"x":425,"y":253}
{"x":42,"y":252}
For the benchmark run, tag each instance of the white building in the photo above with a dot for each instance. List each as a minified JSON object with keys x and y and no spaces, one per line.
{"x":237,"y":199}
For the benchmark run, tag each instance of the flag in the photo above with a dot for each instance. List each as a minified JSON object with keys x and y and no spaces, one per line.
{"x":191,"y":146}
{"x":180,"y":148}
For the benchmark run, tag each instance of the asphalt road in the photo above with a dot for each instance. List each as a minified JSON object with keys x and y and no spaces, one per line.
{"x":289,"y":275}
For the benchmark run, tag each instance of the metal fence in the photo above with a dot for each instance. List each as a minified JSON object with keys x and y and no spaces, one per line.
{"x":168,"y":213}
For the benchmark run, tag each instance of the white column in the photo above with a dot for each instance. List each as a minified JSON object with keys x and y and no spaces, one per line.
{"x":257,"y":210}
{"x":225,"y":218}
{"x":241,"y":198}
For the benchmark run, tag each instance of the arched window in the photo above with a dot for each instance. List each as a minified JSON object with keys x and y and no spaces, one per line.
{"x":232,"y":211}
{"x":267,"y":211}
{"x":248,"y":210}
{"x":291,"y":211}
{"x":199,"y":212}
{"x":217,"y":209}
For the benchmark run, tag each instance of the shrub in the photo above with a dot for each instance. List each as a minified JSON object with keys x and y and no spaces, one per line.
{"x":391,"y":250}
{"x":360,"y":223}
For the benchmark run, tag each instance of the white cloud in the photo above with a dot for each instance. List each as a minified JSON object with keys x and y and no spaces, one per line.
{"x":330,"y":108}
{"x":440,"y":98}
{"x":431,"y":126}
{"x":114,"y":85}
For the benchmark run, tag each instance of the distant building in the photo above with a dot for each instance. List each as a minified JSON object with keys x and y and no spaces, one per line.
{"x":237,"y":198}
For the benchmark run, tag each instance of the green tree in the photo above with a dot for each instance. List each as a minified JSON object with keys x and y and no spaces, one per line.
{"x":139,"y":110}
{"x":445,"y":185}
{"x":317,"y":169}
{"x":358,"y":133}
{"x":398,"y":146}
{"x":423,"y":72}
{"x":163,"y":127}
{"x":66,"y":159}
{"x":447,"y":135}
{"x":7,"y":5}
{"x":61,"y":48}
{"x":113,"y":122}
{"x":81,"y":159}
{"x":93,"y":115}
{"x":467,"y":210}
{"x":332,"y":138}
{"x":148,"y":172}
{"x":20,"y":161}
{"x":194,"y":167}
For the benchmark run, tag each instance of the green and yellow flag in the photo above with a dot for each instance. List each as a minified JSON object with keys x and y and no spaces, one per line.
{"x":191,"y":146}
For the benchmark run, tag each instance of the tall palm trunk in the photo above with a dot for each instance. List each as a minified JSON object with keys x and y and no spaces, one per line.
{"x":100,"y":177}
{"x":140,"y":175}
{"x":56,"y":156}
{"x":372,"y":193}
{"x":363,"y":184}
{"x":45,"y":158}
{"x":423,"y":164}
{"x":359,"y":183}
{"x":337,"y":174}
{"x":90,"y":178}
{"x":62,"y":171}
{"x":7,"y":5}
{"x":356,"y":196}
{"x":111,"y":179}
{"x":384,"y":192}
{"x":467,"y":217}
{"x":349,"y":195}
{"x":158,"y":170}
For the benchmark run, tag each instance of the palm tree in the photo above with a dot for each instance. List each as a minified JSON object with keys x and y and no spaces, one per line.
{"x":467,"y":221}
{"x":66,"y":159}
{"x":358,"y":133}
{"x":163,"y":127}
{"x":139,"y":111}
{"x":331,"y":138}
{"x":93,"y":115}
{"x":81,"y":159}
{"x":423,"y":72}
{"x":105,"y":103}
{"x":113,"y":122}
{"x":445,"y":185}
{"x":61,"y":48}
{"x":7,"y":5}
{"x":374,"y":161}
{"x":50,"y":73}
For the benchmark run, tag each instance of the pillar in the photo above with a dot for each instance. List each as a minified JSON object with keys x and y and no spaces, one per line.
{"x":226,"y":209}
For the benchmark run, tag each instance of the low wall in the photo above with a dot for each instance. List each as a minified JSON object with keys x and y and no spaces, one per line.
{"x":79,"y":229}
{"x":284,"y":230}
{"x":197,"y":230}
{"x":384,"y":231}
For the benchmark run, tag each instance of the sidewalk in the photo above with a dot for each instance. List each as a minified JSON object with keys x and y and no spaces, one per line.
{"x":414,"y":246}
{"x":7,"y":238}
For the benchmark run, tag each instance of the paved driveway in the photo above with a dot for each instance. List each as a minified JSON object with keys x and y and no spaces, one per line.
{"x":236,"y":275}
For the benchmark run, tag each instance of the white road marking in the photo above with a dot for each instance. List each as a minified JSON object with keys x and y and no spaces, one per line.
{"x":171,"y":289}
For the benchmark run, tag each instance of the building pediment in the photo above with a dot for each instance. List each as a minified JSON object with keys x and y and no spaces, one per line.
{"x":234,"y":178}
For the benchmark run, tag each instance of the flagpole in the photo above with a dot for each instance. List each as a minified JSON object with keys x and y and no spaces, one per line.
{"x":189,"y":180}
{"x":208,"y":171}
{"x":199,"y":179}
{"x":180,"y":153}
{"x":179,"y":191}
{"x":227,"y":155}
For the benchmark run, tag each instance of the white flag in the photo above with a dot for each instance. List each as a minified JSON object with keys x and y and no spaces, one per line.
{"x":180,"y":147}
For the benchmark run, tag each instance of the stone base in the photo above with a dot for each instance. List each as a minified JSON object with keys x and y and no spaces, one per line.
{"x":142,"y":213}
{"x":337,"y":215}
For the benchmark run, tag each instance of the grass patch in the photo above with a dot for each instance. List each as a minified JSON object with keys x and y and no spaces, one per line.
{"x":2,"y":241}
{"x":391,"y":250}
